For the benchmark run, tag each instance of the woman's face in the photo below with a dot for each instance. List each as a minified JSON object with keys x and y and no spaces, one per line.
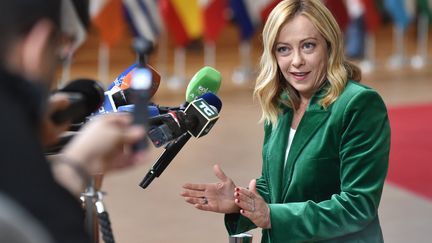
{"x":302,"y":56}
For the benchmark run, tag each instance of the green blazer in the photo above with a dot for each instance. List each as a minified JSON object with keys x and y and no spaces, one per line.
{"x":333,"y":179}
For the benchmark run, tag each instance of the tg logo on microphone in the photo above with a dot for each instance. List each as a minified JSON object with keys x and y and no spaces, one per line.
{"x":206,"y":116}
{"x":206,"y":108}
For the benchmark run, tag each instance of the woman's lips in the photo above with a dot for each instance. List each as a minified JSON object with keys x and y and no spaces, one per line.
{"x":299,"y":75}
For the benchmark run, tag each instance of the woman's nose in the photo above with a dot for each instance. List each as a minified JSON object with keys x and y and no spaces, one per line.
{"x":298,"y":59}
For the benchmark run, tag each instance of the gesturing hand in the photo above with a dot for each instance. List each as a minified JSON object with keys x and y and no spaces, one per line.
{"x":253,"y":205}
{"x":216,"y":197}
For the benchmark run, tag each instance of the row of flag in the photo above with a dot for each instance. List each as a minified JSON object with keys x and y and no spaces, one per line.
{"x":401,"y":12}
{"x":183,"y":20}
{"x":362,"y":18}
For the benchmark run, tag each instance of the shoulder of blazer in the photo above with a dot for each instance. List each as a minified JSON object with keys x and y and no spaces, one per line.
{"x":351,"y":90}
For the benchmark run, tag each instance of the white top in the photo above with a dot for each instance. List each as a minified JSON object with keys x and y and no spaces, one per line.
{"x":290,"y":139}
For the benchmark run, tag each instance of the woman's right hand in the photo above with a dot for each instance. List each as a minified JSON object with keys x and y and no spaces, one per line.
{"x":216,"y":197}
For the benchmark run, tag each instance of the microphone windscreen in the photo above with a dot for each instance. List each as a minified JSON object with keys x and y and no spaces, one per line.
{"x":85,"y":97}
{"x":92,"y":92}
{"x":124,"y":80}
{"x":213,"y":100}
{"x":207,"y":79}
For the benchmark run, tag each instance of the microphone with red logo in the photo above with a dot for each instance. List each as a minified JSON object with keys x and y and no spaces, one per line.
{"x":118,"y":93}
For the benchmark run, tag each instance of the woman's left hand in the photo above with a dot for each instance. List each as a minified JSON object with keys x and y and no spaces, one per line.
{"x":253,"y":205}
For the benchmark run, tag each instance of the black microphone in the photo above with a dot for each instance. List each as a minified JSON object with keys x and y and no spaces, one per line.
{"x":189,"y":119}
{"x":197,"y":119}
{"x":165,"y":129}
{"x":200,"y":111}
{"x":85,"y":96}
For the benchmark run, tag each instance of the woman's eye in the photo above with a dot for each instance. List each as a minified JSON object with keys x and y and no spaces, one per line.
{"x":282,"y":49}
{"x":309,"y":46}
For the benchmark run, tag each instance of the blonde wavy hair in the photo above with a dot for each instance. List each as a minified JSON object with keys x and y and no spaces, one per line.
{"x":270,"y":82}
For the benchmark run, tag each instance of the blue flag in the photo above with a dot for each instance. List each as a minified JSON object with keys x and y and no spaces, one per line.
{"x":244,"y":18}
{"x":143,"y":18}
{"x":398,"y":12}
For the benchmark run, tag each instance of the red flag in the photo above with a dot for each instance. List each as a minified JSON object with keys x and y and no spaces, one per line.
{"x":214,"y":18}
{"x":372,"y":17}
{"x":265,"y":12}
{"x":339,"y":11}
{"x":110,"y":22}
{"x":173,"y":23}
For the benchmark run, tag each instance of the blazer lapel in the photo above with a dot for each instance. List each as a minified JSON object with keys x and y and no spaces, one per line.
{"x":313,"y":118}
{"x":276,"y":156}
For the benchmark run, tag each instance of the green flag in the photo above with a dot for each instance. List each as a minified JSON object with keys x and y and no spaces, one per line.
{"x":424,"y":7}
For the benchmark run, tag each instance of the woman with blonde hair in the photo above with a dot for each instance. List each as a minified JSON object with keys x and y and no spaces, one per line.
{"x":326,"y":143}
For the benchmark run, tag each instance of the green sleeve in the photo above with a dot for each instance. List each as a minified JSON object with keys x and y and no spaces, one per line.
{"x":364,"y":153}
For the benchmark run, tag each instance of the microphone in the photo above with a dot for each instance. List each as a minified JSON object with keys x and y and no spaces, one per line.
{"x":119,"y":92}
{"x":167,"y":130}
{"x":203,"y":114}
{"x":175,"y":123}
{"x":85,"y":96}
{"x":197,"y":119}
{"x":207,"y":79}
{"x":124,"y":80}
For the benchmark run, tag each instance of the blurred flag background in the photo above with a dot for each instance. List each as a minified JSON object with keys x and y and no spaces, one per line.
{"x":389,"y":39}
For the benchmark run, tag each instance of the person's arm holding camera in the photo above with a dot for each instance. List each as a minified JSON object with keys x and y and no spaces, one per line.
{"x":104,"y":144}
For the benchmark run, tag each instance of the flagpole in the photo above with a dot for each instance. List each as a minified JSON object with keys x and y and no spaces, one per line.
{"x":210,"y":53}
{"x":368,"y":64}
{"x":245,"y":53}
{"x":103,"y":63}
{"x":178,"y":78}
{"x":420,"y":59}
{"x":162,"y":55}
{"x":397,"y":60}
{"x":243,"y":74}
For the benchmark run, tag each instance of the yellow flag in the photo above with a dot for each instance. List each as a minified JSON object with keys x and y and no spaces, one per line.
{"x":190,"y":13}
